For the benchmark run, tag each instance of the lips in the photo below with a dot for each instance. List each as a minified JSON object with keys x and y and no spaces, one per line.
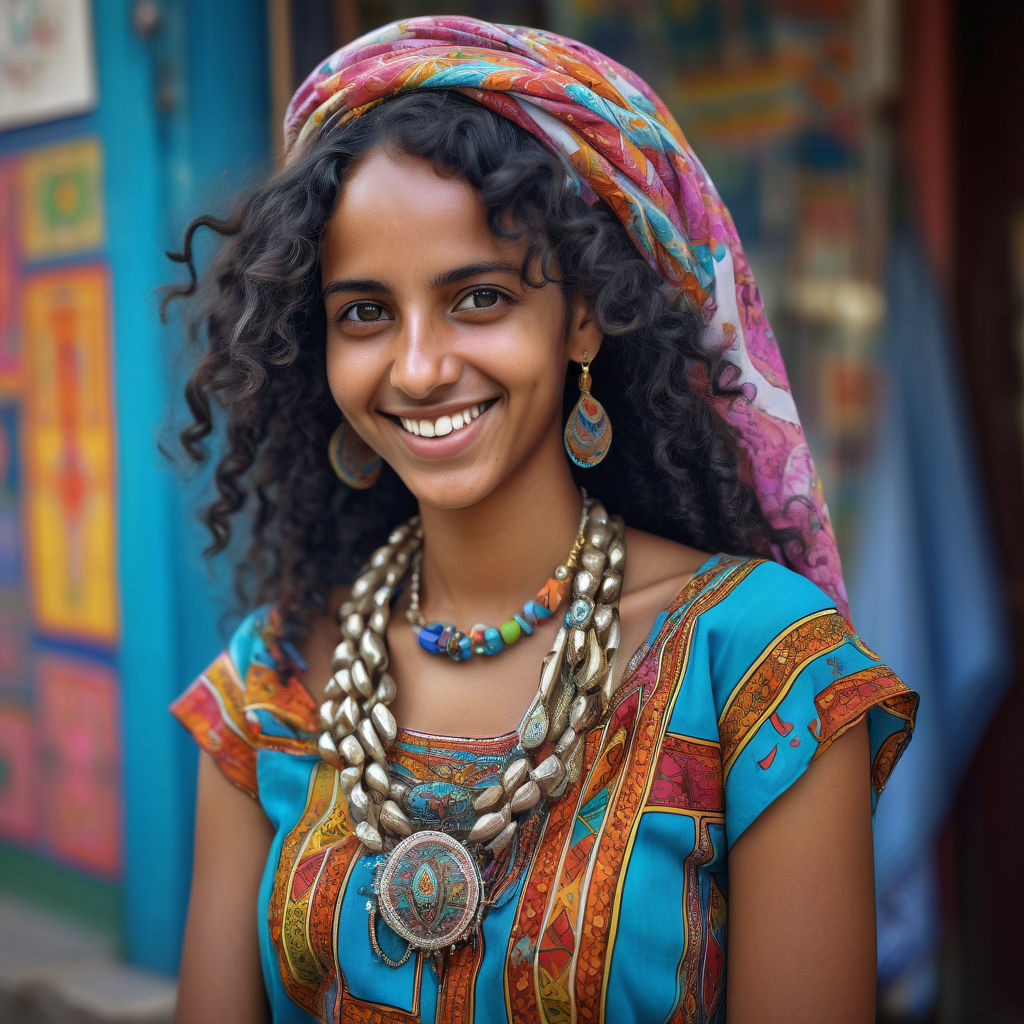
{"x":443,"y":435}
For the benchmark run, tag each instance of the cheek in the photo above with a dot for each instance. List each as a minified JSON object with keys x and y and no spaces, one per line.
{"x":347,"y":377}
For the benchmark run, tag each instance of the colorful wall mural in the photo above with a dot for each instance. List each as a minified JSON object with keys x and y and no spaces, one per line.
{"x":60,"y":743}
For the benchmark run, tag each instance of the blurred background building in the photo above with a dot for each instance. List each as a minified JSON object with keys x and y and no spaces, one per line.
{"x":871,"y":156}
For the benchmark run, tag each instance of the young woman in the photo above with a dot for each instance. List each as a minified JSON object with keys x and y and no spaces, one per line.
{"x":488,"y":247}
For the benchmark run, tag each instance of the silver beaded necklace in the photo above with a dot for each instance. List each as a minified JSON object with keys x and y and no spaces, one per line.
{"x":428,"y":885}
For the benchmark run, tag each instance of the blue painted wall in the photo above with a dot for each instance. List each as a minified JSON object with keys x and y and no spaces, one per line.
{"x":183,"y":119}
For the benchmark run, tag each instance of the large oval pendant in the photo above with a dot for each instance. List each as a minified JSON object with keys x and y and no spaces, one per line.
{"x":429,"y":891}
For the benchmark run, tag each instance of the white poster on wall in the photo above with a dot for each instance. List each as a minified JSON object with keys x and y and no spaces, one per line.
{"x":47,"y":62}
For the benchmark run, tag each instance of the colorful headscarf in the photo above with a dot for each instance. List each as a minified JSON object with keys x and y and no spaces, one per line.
{"x":623,"y":147}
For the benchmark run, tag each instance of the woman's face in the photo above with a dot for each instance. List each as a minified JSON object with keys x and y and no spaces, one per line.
{"x":438,"y":354}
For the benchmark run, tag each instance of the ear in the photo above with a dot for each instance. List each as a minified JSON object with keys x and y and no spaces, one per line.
{"x":584,"y":335}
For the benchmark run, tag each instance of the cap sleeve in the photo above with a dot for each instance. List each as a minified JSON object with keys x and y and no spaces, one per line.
{"x":214,"y":708}
{"x":804,"y":679}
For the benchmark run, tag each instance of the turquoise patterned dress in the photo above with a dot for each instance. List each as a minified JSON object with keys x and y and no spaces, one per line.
{"x":612,"y":905}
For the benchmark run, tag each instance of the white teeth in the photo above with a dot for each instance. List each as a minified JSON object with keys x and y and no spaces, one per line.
{"x":443,"y":425}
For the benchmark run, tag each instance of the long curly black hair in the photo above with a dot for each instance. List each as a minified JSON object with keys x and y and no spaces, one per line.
{"x":257,"y":312}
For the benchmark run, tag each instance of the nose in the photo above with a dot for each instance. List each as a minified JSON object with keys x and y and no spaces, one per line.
{"x":424,"y":357}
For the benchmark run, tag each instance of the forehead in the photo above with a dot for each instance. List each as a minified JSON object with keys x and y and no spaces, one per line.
{"x":396,"y":208}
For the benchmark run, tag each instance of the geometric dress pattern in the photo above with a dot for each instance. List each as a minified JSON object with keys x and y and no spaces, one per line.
{"x":612,"y":906}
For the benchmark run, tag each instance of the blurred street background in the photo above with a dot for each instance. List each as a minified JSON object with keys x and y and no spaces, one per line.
{"x":872,"y":156}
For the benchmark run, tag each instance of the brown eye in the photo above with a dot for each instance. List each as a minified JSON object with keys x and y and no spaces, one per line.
{"x":479,"y":298}
{"x":365,"y":312}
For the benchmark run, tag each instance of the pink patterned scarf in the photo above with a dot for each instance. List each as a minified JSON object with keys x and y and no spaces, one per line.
{"x":624,"y":148}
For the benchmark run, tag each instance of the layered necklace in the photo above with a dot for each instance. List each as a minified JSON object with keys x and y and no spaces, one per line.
{"x":428,"y":883}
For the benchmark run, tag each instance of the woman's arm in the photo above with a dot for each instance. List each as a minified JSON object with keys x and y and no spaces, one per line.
{"x":801,"y":899}
{"x":220,"y":979}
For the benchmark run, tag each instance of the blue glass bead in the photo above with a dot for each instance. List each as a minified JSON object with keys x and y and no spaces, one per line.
{"x":465,"y":648}
{"x":524,"y":624}
{"x":493,"y":642}
{"x":429,"y":637}
{"x":528,"y":613}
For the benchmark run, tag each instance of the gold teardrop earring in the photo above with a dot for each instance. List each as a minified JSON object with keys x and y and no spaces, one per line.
{"x":588,"y":431}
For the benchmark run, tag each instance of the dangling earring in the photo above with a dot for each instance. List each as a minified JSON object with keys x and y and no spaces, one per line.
{"x":354,"y":462}
{"x":588,"y":432}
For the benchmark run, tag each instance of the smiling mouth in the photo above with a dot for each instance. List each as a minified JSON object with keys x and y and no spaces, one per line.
{"x":442,"y":426}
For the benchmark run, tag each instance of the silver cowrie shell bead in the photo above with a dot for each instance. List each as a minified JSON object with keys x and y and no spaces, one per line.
{"x":384,"y":723}
{"x":348,"y":716}
{"x":503,"y":838}
{"x":603,"y":616}
{"x":343,"y":655}
{"x":361,"y":678}
{"x":363,"y":586}
{"x":351,"y":750}
{"x":515,"y":774}
{"x":617,"y":555}
{"x":333,"y":689}
{"x":490,"y":799}
{"x":565,"y":742}
{"x":370,"y":741}
{"x":599,"y":538}
{"x":377,"y":779}
{"x":382,"y":556}
{"x":393,"y":818}
{"x":346,"y":609}
{"x":386,"y":689}
{"x":585,"y":584}
{"x":329,"y":752}
{"x":342,"y":679}
{"x":489,"y":825}
{"x":381,"y":599}
{"x":348,"y":778}
{"x":358,"y":802}
{"x":611,"y":585}
{"x":373,"y":651}
{"x":525,"y":797}
{"x":328,"y":714}
{"x":577,"y":645}
{"x":353,"y":626}
{"x":379,"y":618}
{"x":594,"y":561}
{"x":584,"y":712}
{"x":548,"y":774}
{"x":369,"y":837}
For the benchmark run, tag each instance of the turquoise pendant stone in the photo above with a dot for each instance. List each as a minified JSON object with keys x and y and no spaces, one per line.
{"x":524,"y":624}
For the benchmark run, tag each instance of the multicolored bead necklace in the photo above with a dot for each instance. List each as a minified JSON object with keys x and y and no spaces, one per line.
{"x":447,"y":639}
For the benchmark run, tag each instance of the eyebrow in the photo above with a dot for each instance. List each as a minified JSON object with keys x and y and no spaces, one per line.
{"x":447,"y":277}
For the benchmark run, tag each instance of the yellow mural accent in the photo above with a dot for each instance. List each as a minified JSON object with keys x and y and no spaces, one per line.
{"x":69,"y":453}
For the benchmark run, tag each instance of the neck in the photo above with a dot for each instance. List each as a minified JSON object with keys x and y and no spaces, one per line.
{"x":481,"y":563}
